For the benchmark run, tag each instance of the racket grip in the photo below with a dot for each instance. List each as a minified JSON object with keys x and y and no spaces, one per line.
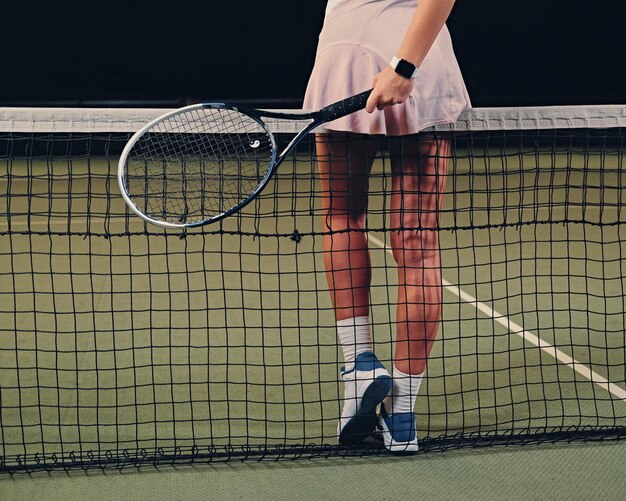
{"x":345,"y":106}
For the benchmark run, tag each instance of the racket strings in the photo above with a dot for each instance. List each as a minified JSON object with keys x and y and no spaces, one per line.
{"x":197,"y":164}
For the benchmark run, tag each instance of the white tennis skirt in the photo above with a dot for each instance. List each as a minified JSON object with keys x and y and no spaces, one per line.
{"x":358,"y":40}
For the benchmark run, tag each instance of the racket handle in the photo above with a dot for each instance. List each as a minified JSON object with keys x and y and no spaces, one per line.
{"x":344,"y":107}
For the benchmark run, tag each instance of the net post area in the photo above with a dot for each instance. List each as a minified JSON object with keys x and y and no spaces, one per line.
{"x":500,"y":239}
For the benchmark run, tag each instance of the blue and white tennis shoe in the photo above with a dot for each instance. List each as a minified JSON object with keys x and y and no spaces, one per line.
{"x":398,"y":431}
{"x":367,"y":383}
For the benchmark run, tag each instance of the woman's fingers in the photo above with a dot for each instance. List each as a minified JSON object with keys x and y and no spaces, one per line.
{"x":372,"y":102}
{"x":379,"y":101}
{"x":389,"y":89}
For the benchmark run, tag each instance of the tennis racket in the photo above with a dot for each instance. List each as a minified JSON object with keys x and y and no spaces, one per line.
{"x":202,"y":163}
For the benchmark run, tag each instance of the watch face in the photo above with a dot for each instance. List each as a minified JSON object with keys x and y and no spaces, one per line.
{"x":405,"y":68}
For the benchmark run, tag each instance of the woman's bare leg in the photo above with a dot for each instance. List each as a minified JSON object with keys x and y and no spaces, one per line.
{"x":419,"y":167}
{"x":344,"y":162}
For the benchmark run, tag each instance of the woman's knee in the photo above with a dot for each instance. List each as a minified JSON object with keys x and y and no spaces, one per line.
{"x":415,"y":248}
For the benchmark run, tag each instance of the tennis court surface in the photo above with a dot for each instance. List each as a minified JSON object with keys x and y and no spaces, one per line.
{"x":124,"y":344}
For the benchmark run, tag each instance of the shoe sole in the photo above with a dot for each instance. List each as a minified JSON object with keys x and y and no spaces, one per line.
{"x":402,"y":449}
{"x":363,"y":423}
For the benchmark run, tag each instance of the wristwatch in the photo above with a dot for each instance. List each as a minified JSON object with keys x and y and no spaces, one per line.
{"x":403,"y":67}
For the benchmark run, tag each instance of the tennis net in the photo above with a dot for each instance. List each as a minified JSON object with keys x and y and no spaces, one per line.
{"x":125,"y":344}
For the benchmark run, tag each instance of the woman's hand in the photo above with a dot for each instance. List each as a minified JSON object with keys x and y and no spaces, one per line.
{"x":389,"y":89}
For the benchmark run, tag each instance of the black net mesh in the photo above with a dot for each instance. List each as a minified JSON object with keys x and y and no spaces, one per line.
{"x":122,"y":343}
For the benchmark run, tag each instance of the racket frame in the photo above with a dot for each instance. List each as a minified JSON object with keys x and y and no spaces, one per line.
{"x":335,"y":110}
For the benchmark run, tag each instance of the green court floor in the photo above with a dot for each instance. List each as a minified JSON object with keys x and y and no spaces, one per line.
{"x":569,"y":472}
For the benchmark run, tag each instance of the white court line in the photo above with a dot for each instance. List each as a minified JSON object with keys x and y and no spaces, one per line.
{"x":529,"y":337}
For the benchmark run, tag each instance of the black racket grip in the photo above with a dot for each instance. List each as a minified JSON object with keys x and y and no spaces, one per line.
{"x":344,"y":107}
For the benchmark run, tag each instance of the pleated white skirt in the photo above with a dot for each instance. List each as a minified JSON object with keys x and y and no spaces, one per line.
{"x":358,"y":40}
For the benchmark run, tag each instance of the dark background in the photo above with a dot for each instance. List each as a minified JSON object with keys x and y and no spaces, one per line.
{"x":261,"y":52}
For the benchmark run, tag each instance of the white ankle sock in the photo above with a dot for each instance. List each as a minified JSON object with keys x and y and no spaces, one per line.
{"x":404,"y":392}
{"x":354,"y":336}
